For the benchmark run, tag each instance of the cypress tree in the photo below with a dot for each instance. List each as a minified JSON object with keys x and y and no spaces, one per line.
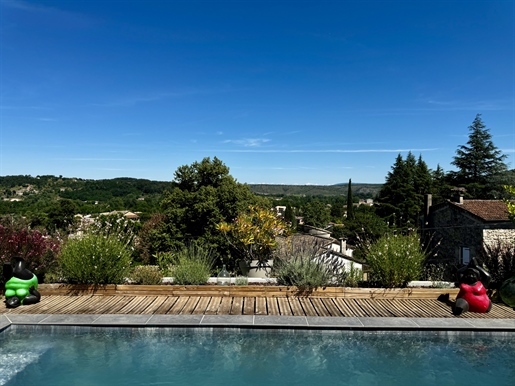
{"x":350,"y":206}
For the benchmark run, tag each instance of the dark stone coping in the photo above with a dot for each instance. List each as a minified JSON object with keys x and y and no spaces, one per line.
{"x":264,"y":322}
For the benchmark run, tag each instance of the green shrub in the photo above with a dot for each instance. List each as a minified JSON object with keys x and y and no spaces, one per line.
{"x":395,"y":260}
{"x":499,"y":260}
{"x":303,"y":272}
{"x":147,"y":275}
{"x":352,"y":277}
{"x":192,"y":265}
{"x":95,"y":259}
{"x":165,"y":261}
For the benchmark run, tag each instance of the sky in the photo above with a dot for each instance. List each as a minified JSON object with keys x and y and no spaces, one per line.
{"x":283,"y":92}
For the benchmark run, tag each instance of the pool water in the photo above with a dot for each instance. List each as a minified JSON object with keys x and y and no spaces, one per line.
{"x":203,"y":356}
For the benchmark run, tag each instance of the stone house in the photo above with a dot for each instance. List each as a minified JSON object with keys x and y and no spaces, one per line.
{"x":457,"y":229}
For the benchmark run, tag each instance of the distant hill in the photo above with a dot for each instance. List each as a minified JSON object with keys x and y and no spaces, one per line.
{"x":103,"y":190}
{"x":360,"y":190}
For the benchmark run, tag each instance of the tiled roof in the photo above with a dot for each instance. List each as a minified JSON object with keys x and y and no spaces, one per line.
{"x":486,"y":210}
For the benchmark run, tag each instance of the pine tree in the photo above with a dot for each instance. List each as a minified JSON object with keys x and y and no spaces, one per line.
{"x":477,"y":161}
{"x":401,"y":198}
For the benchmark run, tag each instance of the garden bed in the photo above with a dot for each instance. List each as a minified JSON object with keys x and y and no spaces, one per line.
{"x":244,"y":291}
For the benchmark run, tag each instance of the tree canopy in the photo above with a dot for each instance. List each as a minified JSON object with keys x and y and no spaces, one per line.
{"x":477,"y":161}
{"x":203,"y":195}
{"x":401,"y":198}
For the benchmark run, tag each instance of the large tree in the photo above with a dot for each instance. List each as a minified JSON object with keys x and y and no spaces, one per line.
{"x":203,"y":195}
{"x":401,"y":198}
{"x":478,"y":161}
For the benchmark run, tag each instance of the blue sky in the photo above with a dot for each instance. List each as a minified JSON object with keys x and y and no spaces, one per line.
{"x":285,"y":92}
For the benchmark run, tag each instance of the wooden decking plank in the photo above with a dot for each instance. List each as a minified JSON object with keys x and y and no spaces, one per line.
{"x":414,"y":309}
{"x":399,"y":309}
{"x":308,"y":308}
{"x":356,"y":308}
{"x":379,"y":308}
{"x":295,"y":306}
{"x":272,"y":306}
{"x":129,"y":306}
{"x":284,"y":306}
{"x":213,"y":306}
{"x":154,"y":305}
{"x":201,"y":306}
{"x":178,"y":306}
{"x":248,"y":305}
{"x":344,"y":309}
{"x":260,"y":306}
{"x":319,"y":307}
{"x":225,"y":306}
{"x":331,"y":307}
{"x":45,"y":304}
{"x":190,"y":305}
{"x":55,"y":305}
{"x":432,"y":308}
{"x":94,"y":305}
{"x":166,"y":305}
{"x":110,"y":301}
{"x":143,"y":305}
{"x":75,"y":306}
{"x":368,"y":308}
{"x":237,"y":306}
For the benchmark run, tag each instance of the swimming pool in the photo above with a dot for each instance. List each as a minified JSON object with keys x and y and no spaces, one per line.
{"x":46,"y":355}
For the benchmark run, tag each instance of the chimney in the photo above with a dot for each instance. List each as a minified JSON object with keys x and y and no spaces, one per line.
{"x":458,"y":195}
{"x":343,"y":246}
{"x":428,"y":202}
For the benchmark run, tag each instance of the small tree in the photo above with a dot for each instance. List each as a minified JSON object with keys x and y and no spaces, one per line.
{"x":253,"y":233}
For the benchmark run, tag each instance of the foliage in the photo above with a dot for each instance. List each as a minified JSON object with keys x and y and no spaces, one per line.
{"x":395,"y":260}
{"x":350,"y":204}
{"x":352,"y":277}
{"x":253,"y":233}
{"x":296,"y":264}
{"x":477,"y":161}
{"x":365,"y":228}
{"x":438,"y":274}
{"x":38,"y":249}
{"x":115,"y":225}
{"x":303,"y":272}
{"x":509,"y":203}
{"x":204,"y":194}
{"x":192,"y":264}
{"x":152,"y":238}
{"x":95,"y":259}
{"x":147,"y":275}
{"x":499,"y":260}
{"x":316,"y":214}
{"x":165,"y":262}
{"x":401,"y":198}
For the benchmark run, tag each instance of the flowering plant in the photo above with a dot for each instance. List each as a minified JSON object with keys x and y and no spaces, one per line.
{"x":37,"y":248}
{"x":253,"y":233}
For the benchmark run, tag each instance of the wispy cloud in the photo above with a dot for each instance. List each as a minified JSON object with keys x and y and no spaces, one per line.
{"x":248,"y":142}
{"x":58,"y":16}
{"x":482,"y":105}
{"x":320,"y":151}
{"x":97,"y":159}
{"x":147,"y":97}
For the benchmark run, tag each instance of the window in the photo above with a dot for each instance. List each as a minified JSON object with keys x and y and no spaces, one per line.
{"x":465,"y":255}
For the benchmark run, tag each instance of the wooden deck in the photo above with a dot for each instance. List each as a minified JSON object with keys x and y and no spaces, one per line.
{"x":250,"y":305}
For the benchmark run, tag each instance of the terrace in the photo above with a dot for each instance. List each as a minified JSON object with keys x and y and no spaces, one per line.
{"x":253,"y":306}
